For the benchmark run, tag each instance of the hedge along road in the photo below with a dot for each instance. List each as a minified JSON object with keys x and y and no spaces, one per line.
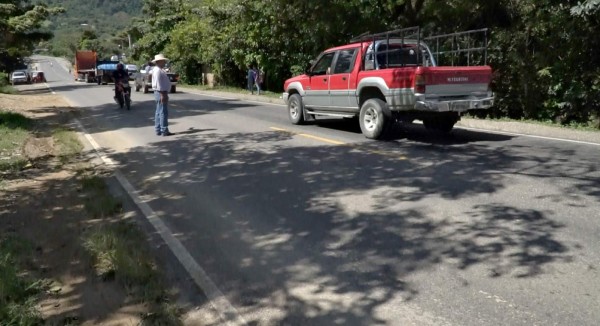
{"x":316,"y":225}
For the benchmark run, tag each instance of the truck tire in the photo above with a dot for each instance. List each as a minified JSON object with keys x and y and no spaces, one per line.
{"x":296,"y":109}
{"x":137,"y":88}
{"x":374,"y":120}
{"x":173,"y":89}
{"x":145,"y":89}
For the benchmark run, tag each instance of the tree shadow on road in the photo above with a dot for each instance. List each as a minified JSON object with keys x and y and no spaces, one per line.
{"x":336,"y":234}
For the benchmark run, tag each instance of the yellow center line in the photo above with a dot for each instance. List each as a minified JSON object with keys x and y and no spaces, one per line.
{"x":336,"y":142}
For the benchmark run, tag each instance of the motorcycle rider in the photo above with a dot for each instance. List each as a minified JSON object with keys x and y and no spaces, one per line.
{"x":119,"y":75}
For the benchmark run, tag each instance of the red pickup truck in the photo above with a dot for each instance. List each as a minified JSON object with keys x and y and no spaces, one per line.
{"x":393,"y":76}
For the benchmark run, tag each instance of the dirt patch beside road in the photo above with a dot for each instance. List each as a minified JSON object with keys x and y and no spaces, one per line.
{"x":70,"y":228}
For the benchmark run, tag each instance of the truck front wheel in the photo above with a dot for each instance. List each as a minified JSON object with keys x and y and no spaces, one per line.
{"x":296,"y":109}
{"x":373,"y":119}
{"x":145,"y":89}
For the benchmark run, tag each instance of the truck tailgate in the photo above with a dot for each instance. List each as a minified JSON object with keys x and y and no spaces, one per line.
{"x":456,"y":82}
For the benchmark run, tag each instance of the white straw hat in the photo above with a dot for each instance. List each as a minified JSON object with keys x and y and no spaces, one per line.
{"x":159,"y":57}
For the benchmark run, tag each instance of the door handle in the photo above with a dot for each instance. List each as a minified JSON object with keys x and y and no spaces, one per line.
{"x":324,"y":80}
{"x":344,"y":78}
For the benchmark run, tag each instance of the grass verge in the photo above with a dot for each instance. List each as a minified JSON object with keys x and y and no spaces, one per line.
{"x":98,"y":202}
{"x":68,"y":144}
{"x":7,"y":89}
{"x":119,"y":252}
{"x":18,"y":291}
{"x":590,"y":126}
{"x":14,"y":131}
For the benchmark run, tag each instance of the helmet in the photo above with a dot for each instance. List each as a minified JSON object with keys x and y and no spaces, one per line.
{"x":119,"y":66}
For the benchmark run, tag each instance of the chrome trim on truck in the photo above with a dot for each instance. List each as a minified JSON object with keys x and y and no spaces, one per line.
{"x":454,"y":106}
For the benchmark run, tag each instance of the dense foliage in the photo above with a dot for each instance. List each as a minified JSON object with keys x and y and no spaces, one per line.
{"x":545,"y":53}
{"x":20,"y":24}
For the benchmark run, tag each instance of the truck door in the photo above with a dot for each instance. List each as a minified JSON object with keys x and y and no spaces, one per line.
{"x":339,"y":80}
{"x":317,"y":93}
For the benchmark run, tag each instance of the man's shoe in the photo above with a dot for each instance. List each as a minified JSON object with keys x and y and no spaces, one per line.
{"x":159,"y":133}
{"x":167,"y":133}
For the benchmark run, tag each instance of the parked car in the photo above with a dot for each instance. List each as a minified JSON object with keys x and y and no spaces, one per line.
{"x":19,"y":77}
{"x":132,"y":70}
{"x":143,"y":79}
{"x":38,"y":77}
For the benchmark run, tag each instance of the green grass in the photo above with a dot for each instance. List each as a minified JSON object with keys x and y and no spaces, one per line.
{"x":68,"y":144}
{"x":98,"y":201}
{"x":119,"y":252}
{"x":231,"y":89}
{"x":18,"y":292}
{"x":14,"y":131}
{"x":7,"y":89}
{"x":590,"y":126}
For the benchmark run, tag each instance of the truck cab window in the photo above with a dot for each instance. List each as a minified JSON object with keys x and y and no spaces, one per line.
{"x":324,"y":63}
{"x":398,"y":55}
{"x":345,"y":61}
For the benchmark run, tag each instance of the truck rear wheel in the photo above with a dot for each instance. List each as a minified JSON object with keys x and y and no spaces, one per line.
{"x":145,"y":89}
{"x":373,"y":119}
{"x":296,"y":109}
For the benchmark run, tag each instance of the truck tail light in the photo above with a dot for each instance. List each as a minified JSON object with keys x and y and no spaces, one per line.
{"x":420,"y":84}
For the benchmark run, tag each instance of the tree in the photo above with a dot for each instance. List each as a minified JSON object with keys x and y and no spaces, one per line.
{"x":20,"y":25}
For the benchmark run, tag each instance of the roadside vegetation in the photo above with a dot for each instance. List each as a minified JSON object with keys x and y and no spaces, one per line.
{"x":5,"y":87}
{"x":14,"y":132}
{"x":545,"y":54}
{"x":119,"y":253}
{"x":84,"y":218}
{"x":19,"y":291}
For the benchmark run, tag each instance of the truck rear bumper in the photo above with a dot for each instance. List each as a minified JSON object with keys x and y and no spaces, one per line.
{"x":454,"y":106}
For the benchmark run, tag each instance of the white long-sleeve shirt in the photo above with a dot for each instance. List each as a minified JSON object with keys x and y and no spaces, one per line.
{"x":160,"y":80}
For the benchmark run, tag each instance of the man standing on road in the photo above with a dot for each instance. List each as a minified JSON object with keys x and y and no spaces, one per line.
{"x":161,"y":85}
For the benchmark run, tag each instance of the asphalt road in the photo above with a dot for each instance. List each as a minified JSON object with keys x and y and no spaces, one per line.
{"x":316,"y":225}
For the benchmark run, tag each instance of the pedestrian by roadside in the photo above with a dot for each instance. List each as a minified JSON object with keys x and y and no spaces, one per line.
{"x":161,"y":85}
{"x":251,"y":76}
{"x":258,"y":79}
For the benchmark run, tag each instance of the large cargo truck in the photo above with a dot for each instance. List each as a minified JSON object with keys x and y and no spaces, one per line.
{"x":85,"y":66}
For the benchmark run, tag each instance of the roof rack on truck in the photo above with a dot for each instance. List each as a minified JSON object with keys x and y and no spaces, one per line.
{"x":402,"y":34}
{"x":461,"y":48}
{"x":473,"y":44}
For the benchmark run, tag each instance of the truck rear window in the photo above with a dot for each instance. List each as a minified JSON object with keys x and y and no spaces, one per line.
{"x":394,"y":56}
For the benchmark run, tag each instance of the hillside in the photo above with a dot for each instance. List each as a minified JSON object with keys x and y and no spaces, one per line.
{"x":106,"y":15}
{"x":105,"y":18}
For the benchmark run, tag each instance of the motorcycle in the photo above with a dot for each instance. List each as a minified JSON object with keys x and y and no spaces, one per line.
{"x":124,"y":98}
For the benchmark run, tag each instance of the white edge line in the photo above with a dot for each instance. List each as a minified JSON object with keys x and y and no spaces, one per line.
{"x":530,"y":136}
{"x":217,"y":299}
{"x":227,"y":312}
